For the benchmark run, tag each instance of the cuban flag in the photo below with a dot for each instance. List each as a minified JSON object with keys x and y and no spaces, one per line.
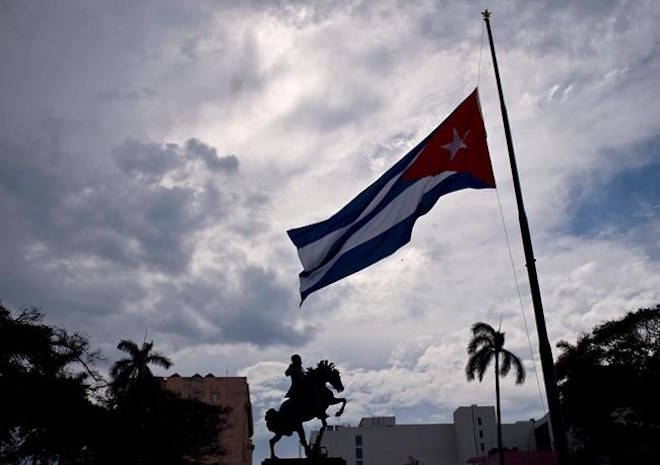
{"x":380,"y":219}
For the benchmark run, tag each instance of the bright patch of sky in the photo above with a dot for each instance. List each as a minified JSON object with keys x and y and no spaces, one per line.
{"x":624,"y":203}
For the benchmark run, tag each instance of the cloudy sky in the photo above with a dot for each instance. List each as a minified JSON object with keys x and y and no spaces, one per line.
{"x":153,"y":154}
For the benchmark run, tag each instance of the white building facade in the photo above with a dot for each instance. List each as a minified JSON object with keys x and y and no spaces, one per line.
{"x":380,"y":441}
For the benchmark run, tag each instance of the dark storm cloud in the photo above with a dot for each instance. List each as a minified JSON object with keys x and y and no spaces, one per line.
{"x":91,"y":222}
{"x":79,"y":233}
{"x":264,"y":315}
{"x":74,"y":296}
{"x":121,"y":216}
{"x":127,"y":93}
{"x":250,"y":305}
{"x":209,"y":155}
{"x":120,"y":67}
{"x":443,"y":34}
{"x":148,"y":160}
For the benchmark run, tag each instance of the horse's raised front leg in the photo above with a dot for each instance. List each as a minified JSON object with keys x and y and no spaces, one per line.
{"x":272,"y":442}
{"x":341,"y":409}
{"x":338,"y":400}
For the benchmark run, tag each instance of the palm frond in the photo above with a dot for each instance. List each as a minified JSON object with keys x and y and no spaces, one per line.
{"x":135,"y":368}
{"x":477,"y":364}
{"x":129,"y":347}
{"x":486,"y":355}
{"x":477,"y":342}
{"x":517,"y":364}
{"x":505,"y":366}
{"x":158,"y":359}
{"x":120,"y":367}
{"x":483,"y":329}
{"x":471,"y":367}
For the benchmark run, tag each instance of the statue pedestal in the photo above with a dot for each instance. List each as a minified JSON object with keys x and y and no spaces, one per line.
{"x":306,"y":461}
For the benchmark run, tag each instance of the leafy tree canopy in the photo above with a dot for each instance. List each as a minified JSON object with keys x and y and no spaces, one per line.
{"x":44,"y":376}
{"x":609,"y":383}
{"x":55,"y":408}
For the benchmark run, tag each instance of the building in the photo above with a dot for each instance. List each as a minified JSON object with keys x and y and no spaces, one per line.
{"x":469,"y":439}
{"x":233,"y":392}
{"x":518,"y":458}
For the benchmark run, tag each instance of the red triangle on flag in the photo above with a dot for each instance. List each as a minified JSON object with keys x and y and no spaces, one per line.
{"x":457,"y":144}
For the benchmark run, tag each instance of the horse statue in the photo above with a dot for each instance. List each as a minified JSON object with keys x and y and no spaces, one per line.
{"x":312,"y":402}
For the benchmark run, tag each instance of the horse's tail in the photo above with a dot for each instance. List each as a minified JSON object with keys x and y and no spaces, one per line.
{"x":272,"y":420}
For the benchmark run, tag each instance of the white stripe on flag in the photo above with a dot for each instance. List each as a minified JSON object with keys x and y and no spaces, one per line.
{"x":313,"y":253}
{"x":396,"y":211}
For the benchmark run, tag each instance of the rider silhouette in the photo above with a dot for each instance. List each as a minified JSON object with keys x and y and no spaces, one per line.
{"x":297,"y":374}
{"x":300,"y":390}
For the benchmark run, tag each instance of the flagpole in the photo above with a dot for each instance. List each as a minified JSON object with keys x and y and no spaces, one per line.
{"x":552,"y":393}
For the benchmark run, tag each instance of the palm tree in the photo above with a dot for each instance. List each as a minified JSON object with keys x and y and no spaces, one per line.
{"x":134,"y":369}
{"x":486,"y":344}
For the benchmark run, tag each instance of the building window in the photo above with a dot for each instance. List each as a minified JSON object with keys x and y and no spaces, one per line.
{"x":482,"y":447}
{"x":481,"y":434}
{"x":359,"y":462}
{"x":358,"y":441}
{"x":358,"y":452}
{"x":479,"y":421}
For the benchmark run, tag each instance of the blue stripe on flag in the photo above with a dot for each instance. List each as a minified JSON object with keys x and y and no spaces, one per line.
{"x":400,"y":186}
{"x":394,"y":238}
{"x":351,"y":211}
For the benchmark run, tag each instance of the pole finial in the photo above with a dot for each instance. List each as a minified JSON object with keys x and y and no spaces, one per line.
{"x":485,"y":14}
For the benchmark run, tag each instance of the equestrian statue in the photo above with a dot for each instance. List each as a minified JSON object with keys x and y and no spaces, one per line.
{"x":308,"y":398}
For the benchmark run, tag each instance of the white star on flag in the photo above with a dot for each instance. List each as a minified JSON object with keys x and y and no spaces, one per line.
{"x":456,"y":144}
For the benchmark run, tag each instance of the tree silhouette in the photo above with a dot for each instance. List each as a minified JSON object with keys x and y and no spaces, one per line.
{"x":154,"y":425}
{"x":134,"y":370}
{"x":608,"y":383}
{"x":45,"y":384}
{"x":47,"y":415}
{"x":488,"y":344}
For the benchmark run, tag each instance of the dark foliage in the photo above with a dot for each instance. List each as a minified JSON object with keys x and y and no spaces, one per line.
{"x":44,"y":402}
{"x":155,"y":425}
{"x":54,"y":408}
{"x":486,"y":345}
{"x":151,"y":425}
{"x":134,"y":370}
{"x":609,"y":383}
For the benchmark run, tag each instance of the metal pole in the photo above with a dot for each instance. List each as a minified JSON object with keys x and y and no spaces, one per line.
{"x":561,"y":446}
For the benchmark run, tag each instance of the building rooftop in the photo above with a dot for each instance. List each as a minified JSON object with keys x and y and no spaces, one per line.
{"x":377,"y":422}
